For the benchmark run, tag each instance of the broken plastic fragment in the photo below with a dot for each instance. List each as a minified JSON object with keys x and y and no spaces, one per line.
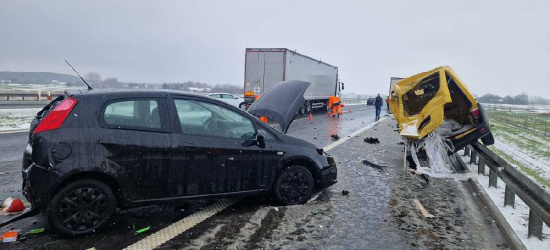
{"x":36,"y":231}
{"x":143,"y":230}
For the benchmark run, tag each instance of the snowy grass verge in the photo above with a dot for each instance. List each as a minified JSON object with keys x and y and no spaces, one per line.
{"x":16,"y":119}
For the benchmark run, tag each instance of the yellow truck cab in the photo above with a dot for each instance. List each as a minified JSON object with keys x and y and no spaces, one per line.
{"x":426,"y":101}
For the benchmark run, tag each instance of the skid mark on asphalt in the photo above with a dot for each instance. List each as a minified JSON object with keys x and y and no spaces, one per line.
{"x":181,"y":226}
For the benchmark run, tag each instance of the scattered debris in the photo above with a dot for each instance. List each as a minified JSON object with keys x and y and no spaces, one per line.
{"x":400,"y":143}
{"x":345,"y":192}
{"x":276,"y":209}
{"x":36,"y":231}
{"x":422,"y":209}
{"x":335,"y":137}
{"x":316,"y":212}
{"x":374,"y":165}
{"x":10,"y":236}
{"x":143,"y":230}
{"x":371,"y":140}
{"x":13,"y":205}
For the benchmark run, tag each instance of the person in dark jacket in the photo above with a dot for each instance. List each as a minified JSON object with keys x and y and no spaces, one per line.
{"x":378,"y":104}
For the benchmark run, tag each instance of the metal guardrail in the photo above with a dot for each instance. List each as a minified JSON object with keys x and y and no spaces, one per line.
{"x":535,"y":196}
{"x":25,"y":96}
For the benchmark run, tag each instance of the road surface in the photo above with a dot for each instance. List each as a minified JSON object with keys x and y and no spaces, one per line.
{"x":378,"y":212}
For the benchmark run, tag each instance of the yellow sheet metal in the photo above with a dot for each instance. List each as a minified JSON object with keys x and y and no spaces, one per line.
{"x":409,"y":124}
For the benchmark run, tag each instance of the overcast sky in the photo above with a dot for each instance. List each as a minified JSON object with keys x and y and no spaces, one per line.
{"x":495,"y":46}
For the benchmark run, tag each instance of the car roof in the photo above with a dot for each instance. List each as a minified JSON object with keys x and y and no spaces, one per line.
{"x":220,"y":93}
{"x":131,"y":93}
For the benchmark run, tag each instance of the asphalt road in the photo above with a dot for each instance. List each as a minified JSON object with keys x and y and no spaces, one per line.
{"x":377,"y":213}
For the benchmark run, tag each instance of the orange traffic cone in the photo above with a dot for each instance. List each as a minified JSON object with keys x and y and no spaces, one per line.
{"x":13,"y":205}
{"x":310,"y":118}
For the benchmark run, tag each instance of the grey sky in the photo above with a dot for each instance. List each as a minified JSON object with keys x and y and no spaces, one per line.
{"x":495,"y":46}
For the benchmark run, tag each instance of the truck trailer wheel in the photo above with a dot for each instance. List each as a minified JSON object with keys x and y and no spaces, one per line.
{"x":308,"y":107}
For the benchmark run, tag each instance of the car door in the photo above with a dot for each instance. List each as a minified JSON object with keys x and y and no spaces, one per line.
{"x":136,"y":139}
{"x":209,"y":153}
{"x":230,"y":99}
{"x":418,"y":103}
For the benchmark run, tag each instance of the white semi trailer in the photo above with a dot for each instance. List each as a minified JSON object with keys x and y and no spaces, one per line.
{"x":264,"y":67}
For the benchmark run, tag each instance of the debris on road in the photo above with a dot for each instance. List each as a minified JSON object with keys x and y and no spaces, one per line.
{"x":374,"y":165}
{"x":36,"y":231}
{"x":345,"y":192}
{"x":10,"y":236}
{"x":335,"y":137}
{"x":316,"y":212}
{"x":371,"y":140}
{"x":422,"y":209}
{"x":143,"y":230}
{"x":12,"y":205}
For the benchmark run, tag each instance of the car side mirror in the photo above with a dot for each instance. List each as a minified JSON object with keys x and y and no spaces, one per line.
{"x":235,"y":97}
{"x":259,"y":141}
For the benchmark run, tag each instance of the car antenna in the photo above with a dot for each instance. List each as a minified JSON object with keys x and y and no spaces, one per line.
{"x":89,"y":88}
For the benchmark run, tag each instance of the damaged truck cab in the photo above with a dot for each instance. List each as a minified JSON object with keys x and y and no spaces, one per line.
{"x":425,"y":102}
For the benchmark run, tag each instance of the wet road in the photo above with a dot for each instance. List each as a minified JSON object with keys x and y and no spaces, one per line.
{"x":12,"y":145}
{"x":377,"y":213}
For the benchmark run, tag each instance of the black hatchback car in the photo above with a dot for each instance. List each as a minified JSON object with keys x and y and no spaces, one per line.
{"x":93,"y":151}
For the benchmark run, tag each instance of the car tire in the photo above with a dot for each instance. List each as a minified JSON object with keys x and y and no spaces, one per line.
{"x":72,"y":213}
{"x":242,"y":106}
{"x":294,"y":185}
{"x":489,"y":139}
{"x":302,"y":110}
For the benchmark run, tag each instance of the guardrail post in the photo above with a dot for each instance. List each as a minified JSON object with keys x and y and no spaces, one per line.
{"x":466,"y":150}
{"x":481,"y":167}
{"x":535,"y":225}
{"x":473,"y":157}
{"x":492,"y":178}
{"x":509,"y":197}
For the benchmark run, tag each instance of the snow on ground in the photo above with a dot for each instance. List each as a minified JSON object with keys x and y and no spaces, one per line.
{"x":517,"y":217}
{"x":517,"y":107}
{"x":16,"y":119}
{"x":539,"y":164}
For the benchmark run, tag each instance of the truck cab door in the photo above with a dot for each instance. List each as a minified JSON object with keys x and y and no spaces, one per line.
{"x":422,"y":99}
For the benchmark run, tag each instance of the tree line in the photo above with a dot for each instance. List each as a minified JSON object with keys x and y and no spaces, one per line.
{"x":521,"y":99}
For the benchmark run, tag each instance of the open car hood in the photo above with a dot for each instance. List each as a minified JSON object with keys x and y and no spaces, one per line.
{"x":281,"y":103}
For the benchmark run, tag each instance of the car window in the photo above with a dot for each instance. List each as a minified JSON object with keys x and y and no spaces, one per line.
{"x":226,"y":96}
{"x":202,"y":118}
{"x":418,"y":97}
{"x":215,"y":96}
{"x":140,"y":114}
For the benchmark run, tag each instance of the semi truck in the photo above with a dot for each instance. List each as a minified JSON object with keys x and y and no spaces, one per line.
{"x":393,"y":81}
{"x":264,"y":67}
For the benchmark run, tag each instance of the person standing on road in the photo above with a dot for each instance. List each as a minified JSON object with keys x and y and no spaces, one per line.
{"x":334,"y":103}
{"x":378,"y":104}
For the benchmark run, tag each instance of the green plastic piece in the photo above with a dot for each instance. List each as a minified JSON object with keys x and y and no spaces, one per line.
{"x":36,"y":231}
{"x":143,"y":230}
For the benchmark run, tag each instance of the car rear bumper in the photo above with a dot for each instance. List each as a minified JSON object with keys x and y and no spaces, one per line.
{"x":39,"y":184}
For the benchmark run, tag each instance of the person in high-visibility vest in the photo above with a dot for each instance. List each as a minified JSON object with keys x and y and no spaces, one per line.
{"x":334,"y":104}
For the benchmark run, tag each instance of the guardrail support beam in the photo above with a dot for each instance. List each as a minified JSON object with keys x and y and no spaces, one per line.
{"x":535,"y":225}
{"x":492,"y":178}
{"x":509,"y":197}
{"x":473,"y":158}
{"x":467,"y":150}
{"x":481,"y":167}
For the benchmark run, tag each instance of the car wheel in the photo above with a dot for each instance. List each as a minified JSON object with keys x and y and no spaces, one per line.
{"x":81,"y":208}
{"x":294,"y":185}
{"x":302,"y":110}
{"x":242,"y":106}
{"x":489,"y":139}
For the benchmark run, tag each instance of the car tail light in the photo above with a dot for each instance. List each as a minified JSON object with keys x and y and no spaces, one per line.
{"x":57,"y":116}
{"x":475,"y":113}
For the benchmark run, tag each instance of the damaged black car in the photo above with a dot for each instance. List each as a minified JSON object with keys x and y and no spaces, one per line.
{"x":94,"y":151}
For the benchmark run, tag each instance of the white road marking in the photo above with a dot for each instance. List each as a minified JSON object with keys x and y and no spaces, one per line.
{"x":13,"y":131}
{"x":179,"y":227}
{"x":359,"y":131}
